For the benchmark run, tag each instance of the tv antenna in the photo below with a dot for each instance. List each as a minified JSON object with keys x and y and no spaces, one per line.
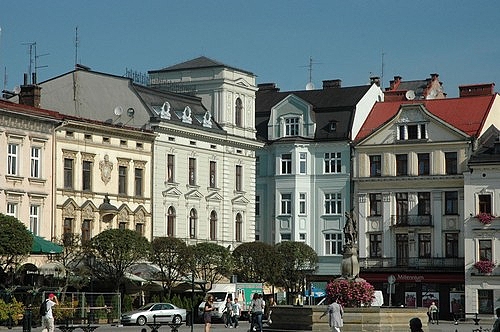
{"x":310,"y":85}
{"x":32,"y":68}
{"x":77,"y":43}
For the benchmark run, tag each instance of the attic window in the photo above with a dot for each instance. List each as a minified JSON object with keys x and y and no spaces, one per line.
{"x":332,"y":126}
{"x":412,"y":131}
{"x":292,"y":126}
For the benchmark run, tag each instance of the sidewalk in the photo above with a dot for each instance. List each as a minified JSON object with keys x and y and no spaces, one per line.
{"x":465,"y":326}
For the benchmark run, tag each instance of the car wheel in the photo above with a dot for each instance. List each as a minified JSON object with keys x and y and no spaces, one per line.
{"x":141,"y":320}
{"x":177,"y":319}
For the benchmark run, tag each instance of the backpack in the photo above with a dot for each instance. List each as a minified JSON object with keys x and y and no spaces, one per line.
{"x":43,"y":308}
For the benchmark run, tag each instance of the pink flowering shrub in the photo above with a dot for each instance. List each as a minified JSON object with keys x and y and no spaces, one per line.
{"x":485,"y":266}
{"x":351,"y":293}
{"x":485,"y":218}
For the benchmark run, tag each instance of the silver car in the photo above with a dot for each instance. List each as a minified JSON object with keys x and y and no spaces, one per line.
{"x":154,"y":312}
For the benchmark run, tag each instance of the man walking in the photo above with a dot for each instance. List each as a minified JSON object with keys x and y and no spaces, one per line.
{"x":335,"y":315}
{"x":48,"y":318}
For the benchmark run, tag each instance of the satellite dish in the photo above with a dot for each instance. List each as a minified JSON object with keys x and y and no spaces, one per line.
{"x":130,"y":112}
{"x":309,"y":86}
{"x":410,"y":94}
{"x":118,"y":110}
{"x":17,"y":90}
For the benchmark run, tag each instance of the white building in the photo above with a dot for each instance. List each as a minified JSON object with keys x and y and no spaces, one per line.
{"x":482,"y":241}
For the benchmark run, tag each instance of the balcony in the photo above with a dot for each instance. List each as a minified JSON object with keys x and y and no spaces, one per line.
{"x":413,"y":263}
{"x":409,"y":220}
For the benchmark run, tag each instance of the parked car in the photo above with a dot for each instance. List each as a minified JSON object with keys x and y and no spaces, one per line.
{"x":164,"y":312}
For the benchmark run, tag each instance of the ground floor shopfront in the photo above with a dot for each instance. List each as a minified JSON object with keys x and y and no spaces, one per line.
{"x":413,"y":290}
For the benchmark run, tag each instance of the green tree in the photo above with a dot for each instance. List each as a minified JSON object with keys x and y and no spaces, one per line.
{"x":296,"y":261}
{"x":255,"y":262}
{"x":211,"y":263}
{"x":72,"y":258}
{"x":115,"y":250}
{"x":16,"y":241}
{"x":172,"y":257}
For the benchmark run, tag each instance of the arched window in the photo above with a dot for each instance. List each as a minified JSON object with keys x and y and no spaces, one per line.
{"x":193,"y":218}
{"x":213,"y":225}
{"x":238,"y":115}
{"x":170,"y":221}
{"x":238,"y":227}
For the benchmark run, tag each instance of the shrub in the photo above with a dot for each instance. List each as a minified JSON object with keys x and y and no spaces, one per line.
{"x":351,"y":293}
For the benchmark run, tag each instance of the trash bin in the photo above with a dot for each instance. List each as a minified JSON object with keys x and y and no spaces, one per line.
{"x":27,"y":319}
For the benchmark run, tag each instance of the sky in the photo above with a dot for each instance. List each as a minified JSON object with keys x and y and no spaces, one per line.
{"x":273,"y":39}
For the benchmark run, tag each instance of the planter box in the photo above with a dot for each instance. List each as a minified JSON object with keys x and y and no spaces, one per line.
{"x":365,"y":319}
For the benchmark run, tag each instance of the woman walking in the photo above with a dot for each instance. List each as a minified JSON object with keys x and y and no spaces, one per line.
{"x":207,"y":312}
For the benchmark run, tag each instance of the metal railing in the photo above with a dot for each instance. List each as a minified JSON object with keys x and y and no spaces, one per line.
{"x":411,"y":220}
{"x":412,"y":262}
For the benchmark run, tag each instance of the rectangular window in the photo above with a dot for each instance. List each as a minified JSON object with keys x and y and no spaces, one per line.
{"x":375,"y":245}
{"x":401,"y":164}
{"x":239,"y":178}
{"x":170,"y":168}
{"x":402,"y":249}
{"x":122,"y":225}
{"x":401,"y":206}
{"x":213,"y":174}
{"x":87,"y":175}
{"x":424,"y":245}
{"x":302,"y":237}
{"x":451,"y":245}
{"x":257,"y":166}
{"x":286,"y":204}
{"x":34,"y":218}
{"x":412,"y":131}
{"x":485,"y":301}
{"x":333,"y":162}
{"x":303,"y":163}
{"x":485,"y":250}
{"x":286,"y":163}
{"x":484,"y":203}
{"x":333,"y":203}
{"x":192,"y":171}
{"x":257,"y":205}
{"x":139,"y":228}
{"x":451,"y":162}
{"x":85,"y":230}
{"x":36,"y":154}
{"x":68,"y":231}
{"x":68,"y":173}
{"x":451,"y":202}
{"x":286,"y":237}
{"x":333,"y":244}
{"x":375,"y":204}
{"x":13,"y":159}
{"x":424,"y":204}
{"x":139,"y":185}
{"x":12,"y":209}
{"x":375,"y":165}
{"x":291,"y":126}
{"x":302,"y":203}
{"x":423,"y":164}
{"x":122,"y":180}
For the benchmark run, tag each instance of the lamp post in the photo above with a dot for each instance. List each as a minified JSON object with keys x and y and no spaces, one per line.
{"x":91,"y":264}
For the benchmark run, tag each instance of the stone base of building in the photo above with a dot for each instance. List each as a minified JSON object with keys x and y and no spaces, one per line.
{"x":369,"y":319}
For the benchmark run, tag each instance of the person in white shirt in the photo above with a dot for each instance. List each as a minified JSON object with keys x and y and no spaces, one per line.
{"x":48,"y":318}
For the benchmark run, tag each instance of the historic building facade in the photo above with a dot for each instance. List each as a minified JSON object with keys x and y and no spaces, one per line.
{"x":304,"y":170}
{"x":409,"y":161}
{"x":482,"y":225}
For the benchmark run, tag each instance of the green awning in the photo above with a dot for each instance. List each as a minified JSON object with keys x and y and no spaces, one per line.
{"x":42,"y":246}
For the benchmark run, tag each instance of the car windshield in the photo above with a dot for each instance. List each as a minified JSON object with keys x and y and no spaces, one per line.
{"x":146,"y":307}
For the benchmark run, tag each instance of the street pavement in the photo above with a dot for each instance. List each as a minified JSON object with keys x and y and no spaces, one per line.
{"x":443,"y":326}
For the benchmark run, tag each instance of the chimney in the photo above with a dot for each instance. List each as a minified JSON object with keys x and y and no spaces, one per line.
{"x":397,"y":95}
{"x":375,"y":80}
{"x":30,"y":93}
{"x":393,"y":85}
{"x":475,"y":90}
{"x":268,"y":87}
{"x":327,"y":84}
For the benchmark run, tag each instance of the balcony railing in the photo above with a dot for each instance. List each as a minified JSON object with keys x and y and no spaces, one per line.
{"x":411,"y":262}
{"x":410,"y":220}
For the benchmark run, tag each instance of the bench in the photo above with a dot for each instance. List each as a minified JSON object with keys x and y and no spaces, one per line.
{"x":154,"y":326}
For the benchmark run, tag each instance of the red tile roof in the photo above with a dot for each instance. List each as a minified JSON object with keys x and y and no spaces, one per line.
{"x":466,"y":114}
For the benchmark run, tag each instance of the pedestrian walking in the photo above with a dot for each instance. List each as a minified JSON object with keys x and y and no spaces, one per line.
{"x":236,"y":312}
{"x":228,"y":313}
{"x":257,"y":309}
{"x":48,"y":317}
{"x":335,"y":315}
{"x":207,"y":312}
{"x":433,"y":312}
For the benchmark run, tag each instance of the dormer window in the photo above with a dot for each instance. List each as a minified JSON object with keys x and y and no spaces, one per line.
{"x":292,"y":126}
{"x":412,"y":131}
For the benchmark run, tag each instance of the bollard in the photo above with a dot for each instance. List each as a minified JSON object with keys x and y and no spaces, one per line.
{"x":27,"y":319}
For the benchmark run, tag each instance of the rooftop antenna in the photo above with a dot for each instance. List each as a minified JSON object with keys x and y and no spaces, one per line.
{"x":32,"y":68}
{"x":77,"y":42}
{"x":310,"y":85}
{"x":382,"y":74}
